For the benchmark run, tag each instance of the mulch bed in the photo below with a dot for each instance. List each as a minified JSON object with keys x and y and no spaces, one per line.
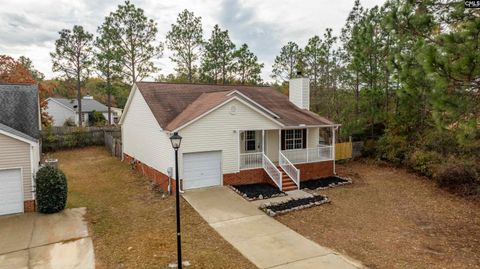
{"x":257,"y":191}
{"x":273,"y":209}
{"x":324,"y":183}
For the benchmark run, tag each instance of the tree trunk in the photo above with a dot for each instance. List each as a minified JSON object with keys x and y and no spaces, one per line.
{"x":109,"y":100}
{"x":387,"y":92}
{"x":357,"y":95}
{"x":79,"y":99}
{"x":189,"y":68}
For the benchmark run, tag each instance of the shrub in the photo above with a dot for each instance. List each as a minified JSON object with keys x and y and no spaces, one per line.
{"x":51,"y":190}
{"x":459,"y":176}
{"x":440,"y":141}
{"x":96,"y":119}
{"x":425,"y":162}
{"x":369,"y":148}
{"x":393,"y":148}
{"x":69,"y":122}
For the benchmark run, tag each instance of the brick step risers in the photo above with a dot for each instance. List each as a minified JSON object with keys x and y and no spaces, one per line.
{"x":287,"y":182}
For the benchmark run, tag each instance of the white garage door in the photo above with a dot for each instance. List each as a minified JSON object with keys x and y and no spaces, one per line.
{"x":202,"y":169}
{"x":11,"y":194}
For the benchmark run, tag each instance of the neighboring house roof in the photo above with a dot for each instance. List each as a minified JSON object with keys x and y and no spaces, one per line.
{"x":174,"y":105}
{"x":88,"y":105}
{"x":19,"y":108}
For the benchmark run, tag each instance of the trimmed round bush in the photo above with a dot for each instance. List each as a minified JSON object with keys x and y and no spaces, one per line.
{"x":51,"y":190}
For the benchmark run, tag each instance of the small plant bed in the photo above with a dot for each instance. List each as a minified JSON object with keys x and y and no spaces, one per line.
{"x":257,"y":191}
{"x":324,"y":183}
{"x":274,"y":209}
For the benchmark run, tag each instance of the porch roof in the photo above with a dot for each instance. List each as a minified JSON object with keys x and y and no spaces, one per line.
{"x":175,"y":104}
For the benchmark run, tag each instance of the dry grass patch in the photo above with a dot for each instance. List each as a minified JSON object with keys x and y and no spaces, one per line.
{"x":389,"y":218}
{"x":133,"y":226}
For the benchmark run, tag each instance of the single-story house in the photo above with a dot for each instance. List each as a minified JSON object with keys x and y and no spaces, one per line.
{"x":19,"y":147}
{"x":231,"y":134}
{"x":64,"y":109}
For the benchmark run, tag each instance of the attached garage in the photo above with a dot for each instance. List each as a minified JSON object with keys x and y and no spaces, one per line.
{"x":202,"y":169}
{"x":19,"y":147}
{"x":11,"y":191}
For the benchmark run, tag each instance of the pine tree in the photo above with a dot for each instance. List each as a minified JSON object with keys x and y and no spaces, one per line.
{"x":247,"y":67}
{"x":218,"y":57}
{"x":107,"y":59}
{"x":185,"y":39}
{"x":134,"y":38}
{"x":286,"y":63}
{"x":73,"y":58}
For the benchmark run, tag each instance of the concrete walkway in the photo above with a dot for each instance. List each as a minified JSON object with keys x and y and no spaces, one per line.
{"x":39,"y":241}
{"x":264,"y":241}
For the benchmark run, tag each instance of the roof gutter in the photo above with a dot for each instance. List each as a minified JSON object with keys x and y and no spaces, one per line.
{"x":311,"y":126}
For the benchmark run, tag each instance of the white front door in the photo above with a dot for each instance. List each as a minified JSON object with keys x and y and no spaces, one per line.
{"x":202,"y":169}
{"x":11,"y":191}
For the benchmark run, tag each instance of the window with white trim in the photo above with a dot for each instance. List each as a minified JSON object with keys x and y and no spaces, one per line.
{"x":250,"y":140}
{"x":294,"y":139}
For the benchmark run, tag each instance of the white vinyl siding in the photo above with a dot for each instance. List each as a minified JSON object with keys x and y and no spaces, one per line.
{"x":60,"y":113}
{"x":271,"y":144}
{"x":312,"y":140}
{"x":143,"y":138}
{"x":218,"y":131}
{"x":18,"y":154}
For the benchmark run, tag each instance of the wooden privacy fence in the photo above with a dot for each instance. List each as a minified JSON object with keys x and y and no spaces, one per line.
{"x":343,"y":150}
{"x":113,"y":143}
{"x":56,"y":138}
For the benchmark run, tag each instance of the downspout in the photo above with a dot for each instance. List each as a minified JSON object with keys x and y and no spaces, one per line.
{"x":169,"y":173}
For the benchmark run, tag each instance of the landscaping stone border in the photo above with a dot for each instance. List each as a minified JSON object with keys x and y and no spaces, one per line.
{"x":348,"y":181}
{"x":266,"y":207}
{"x":260,"y":197}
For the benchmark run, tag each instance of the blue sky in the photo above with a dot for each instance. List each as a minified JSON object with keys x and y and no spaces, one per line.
{"x":30,"y":28}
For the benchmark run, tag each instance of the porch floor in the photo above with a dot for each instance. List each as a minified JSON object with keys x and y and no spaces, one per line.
{"x":264,"y":241}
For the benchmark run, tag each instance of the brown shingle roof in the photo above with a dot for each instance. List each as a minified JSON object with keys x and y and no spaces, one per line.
{"x":176,"y":104}
{"x":202,"y":104}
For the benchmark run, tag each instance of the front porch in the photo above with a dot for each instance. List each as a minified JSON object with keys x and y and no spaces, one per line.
{"x":282,"y":152}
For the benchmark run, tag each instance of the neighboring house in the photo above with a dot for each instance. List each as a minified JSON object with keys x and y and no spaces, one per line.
{"x":231,"y":134}
{"x":19,"y":147}
{"x":64,"y":109}
{"x":116,"y":114}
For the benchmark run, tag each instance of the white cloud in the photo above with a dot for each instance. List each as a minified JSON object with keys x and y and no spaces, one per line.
{"x":30,"y":27}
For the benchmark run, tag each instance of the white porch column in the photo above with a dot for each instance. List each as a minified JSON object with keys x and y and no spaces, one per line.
{"x":263,"y":141}
{"x":279,"y":141}
{"x":238,"y":149}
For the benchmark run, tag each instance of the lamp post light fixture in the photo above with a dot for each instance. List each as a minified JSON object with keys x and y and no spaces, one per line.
{"x":176,"y":140}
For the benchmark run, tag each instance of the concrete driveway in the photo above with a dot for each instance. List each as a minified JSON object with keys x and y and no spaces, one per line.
{"x":38,"y":241}
{"x":264,"y":241}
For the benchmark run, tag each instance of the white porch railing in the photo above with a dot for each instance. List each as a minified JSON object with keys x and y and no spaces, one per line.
{"x":272,"y":171}
{"x":251,"y":160}
{"x":290,"y":169}
{"x":309,"y":155}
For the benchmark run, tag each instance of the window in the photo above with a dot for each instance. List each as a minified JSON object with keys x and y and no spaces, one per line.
{"x":294,"y":139}
{"x":250,"y":140}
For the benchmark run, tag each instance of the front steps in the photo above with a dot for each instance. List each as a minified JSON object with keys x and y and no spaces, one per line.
{"x":287,"y":182}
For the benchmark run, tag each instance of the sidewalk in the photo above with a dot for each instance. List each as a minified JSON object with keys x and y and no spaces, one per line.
{"x":261,"y":239}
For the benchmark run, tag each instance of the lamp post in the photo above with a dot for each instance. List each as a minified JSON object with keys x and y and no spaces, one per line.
{"x":176,"y":140}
